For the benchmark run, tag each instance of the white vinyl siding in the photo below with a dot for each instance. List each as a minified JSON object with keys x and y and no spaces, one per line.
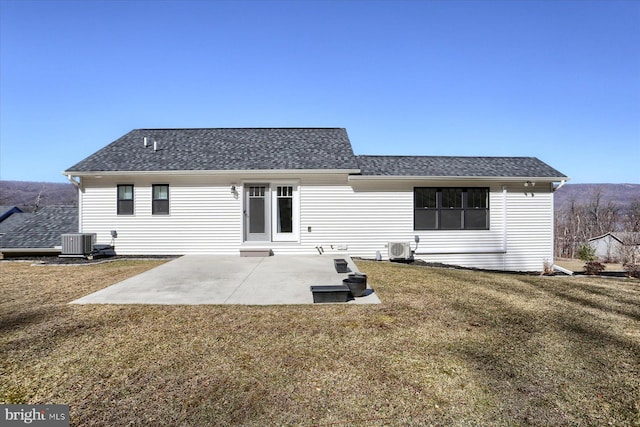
{"x":205,"y":218}
{"x":354,"y":218}
{"x":530,"y":227}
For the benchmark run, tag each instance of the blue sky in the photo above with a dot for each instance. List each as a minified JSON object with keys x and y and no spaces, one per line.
{"x":558,"y":80}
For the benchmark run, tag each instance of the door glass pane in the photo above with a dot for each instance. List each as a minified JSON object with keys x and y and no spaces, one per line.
{"x":256,"y":191}
{"x":285,"y":208}
{"x":285,"y":215}
{"x":256,"y":215}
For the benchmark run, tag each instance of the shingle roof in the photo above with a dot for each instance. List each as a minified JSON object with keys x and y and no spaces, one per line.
{"x":7,"y":211}
{"x":224,"y":149}
{"x":227,"y":149}
{"x":624,"y":237}
{"x":13,"y":221}
{"x":447,"y":166}
{"x":42,"y":229}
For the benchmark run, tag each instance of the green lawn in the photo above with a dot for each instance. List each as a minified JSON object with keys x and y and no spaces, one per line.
{"x":445,"y":347}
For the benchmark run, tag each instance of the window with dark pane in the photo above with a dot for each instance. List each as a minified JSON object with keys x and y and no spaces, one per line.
{"x":425,"y":213}
{"x":477,"y":198}
{"x":285,"y":208}
{"x":451,"y":198}
{"x":125,"y":199}
{"x":160,"y":201}
{"x":451,"y":208}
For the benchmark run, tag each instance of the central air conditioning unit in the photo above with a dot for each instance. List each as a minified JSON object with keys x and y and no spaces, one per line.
{"x":399,"y":250}
{"x":77,"y":244}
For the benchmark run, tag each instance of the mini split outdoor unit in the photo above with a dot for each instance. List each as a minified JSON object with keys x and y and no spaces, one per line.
{"x":77,"y":244}
{"x":399,"y":250}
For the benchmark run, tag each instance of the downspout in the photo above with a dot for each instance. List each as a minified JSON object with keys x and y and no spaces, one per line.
{"x":78,"y":185}
{"x":563,"y":182}
{"x":553,"y":232}
{"x":504,"y":227}
{"x":74,"y":182}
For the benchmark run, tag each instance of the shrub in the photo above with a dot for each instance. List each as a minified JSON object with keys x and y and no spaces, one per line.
{"x":594,"y":267}
{"x":633,"y":270}
{"x":586,"y":253}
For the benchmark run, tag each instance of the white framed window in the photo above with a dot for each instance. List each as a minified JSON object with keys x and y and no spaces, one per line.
{"x":125,"y":199}
{"x":450,"y":208}
{"x":285,"y":216}
{"x":160,"y":199}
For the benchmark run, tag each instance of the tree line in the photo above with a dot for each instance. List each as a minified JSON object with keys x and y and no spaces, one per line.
{"x":31,"y":196}
{"x":580,"y":220}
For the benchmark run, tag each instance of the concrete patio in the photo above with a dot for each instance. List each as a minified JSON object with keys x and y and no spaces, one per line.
{"x":211,"y":279}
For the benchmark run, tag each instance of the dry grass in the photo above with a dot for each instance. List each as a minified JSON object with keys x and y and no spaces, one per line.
{"x":577,"y":265}
{"x":446,"y":347}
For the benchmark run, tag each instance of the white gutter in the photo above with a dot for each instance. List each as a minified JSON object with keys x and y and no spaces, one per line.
{"x":78,"y":185}
{"x":216,"y":172}
{"x":452,"y":178}
{"x":562,"y":182}
{"x":74,"y":182}
{"x":562,"y":270}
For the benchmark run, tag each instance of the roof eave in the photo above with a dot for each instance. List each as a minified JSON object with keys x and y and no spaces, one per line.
{"x":456,"y":178}
{"x":213,"y":172}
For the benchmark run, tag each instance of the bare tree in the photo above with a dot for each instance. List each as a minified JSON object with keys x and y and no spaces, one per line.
{"x":577,"y":223}
{"x":36,"y":204}
{"x":629,"y":250}
{"x":601,"y":217}
{"x":631,"y":221}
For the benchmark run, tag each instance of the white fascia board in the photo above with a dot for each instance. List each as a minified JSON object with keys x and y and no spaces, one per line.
{"x":215,"y":172}
{"x":455,"y":178}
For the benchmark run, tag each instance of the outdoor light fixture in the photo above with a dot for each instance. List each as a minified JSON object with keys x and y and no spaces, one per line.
{"x":233,"y":189}
{"x":529,"y":183}
{"x":114,"y":233}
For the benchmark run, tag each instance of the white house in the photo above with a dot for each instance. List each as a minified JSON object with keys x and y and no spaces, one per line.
{"x":303,"y":191}
{"x":614,"y":247}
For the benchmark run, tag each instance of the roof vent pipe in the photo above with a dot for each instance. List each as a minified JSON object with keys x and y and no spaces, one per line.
{"x":145,"y":142}
{"x":155,"y":145}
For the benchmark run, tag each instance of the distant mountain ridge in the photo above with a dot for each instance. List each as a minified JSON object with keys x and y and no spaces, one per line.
{"x":620,"y":194}
{"x":27,"y":194}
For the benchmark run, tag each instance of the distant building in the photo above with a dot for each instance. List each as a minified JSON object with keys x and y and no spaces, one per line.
{"x":617,"y":247}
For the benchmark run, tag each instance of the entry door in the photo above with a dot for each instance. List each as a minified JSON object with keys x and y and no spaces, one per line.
{"x":257,"y":210}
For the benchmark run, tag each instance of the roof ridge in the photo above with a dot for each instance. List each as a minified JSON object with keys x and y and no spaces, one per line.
{"x":242,"y":128}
